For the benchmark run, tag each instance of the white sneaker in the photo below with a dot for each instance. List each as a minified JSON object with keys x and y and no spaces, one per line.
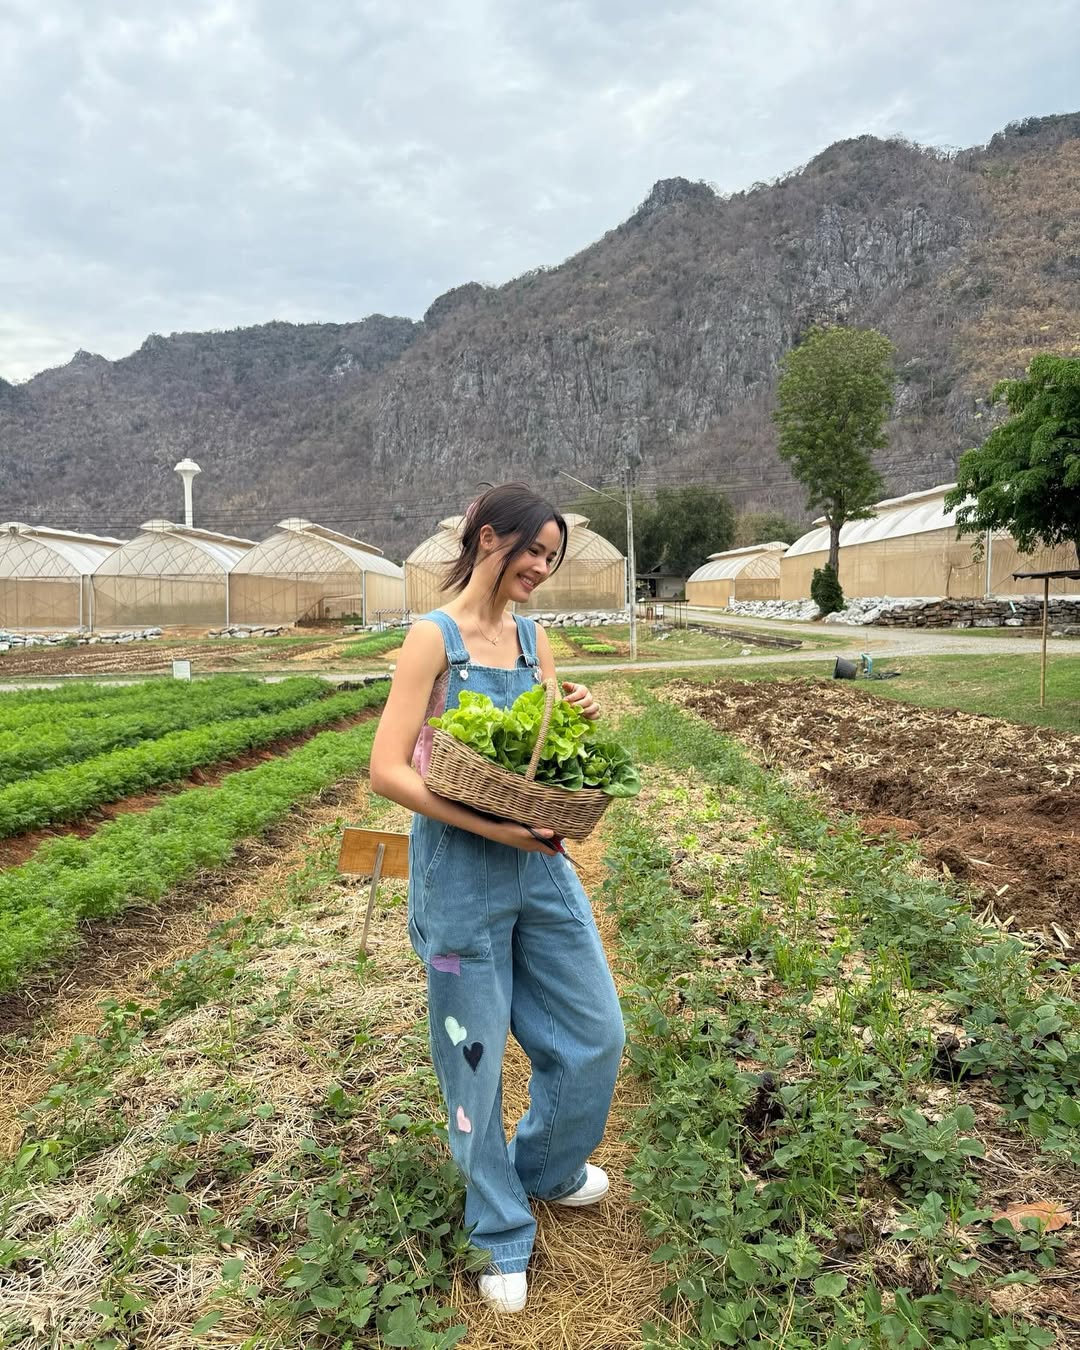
{"x":594,"y":1188}
{"x":505,"y":1293}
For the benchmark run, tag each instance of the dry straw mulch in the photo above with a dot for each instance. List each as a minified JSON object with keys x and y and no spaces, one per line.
{"x":591,"y":1283}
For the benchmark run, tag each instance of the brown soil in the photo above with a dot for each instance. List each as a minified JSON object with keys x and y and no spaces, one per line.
{"x":992,"y":804}
{"x":21,"y":846}
{"x":119,"y":957}
{"x":155,"y":657}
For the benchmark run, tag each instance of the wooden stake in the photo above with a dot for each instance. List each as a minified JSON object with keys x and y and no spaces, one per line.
{"x":376,"y":873}
{"x":1042,"y":664}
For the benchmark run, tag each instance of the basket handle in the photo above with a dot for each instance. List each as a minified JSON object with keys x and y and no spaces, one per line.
{"x":551,"y":691}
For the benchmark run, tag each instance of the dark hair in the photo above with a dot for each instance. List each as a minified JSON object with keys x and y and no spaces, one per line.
{"x":510,"y":509}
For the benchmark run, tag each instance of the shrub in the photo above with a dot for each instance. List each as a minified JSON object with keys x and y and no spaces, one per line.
{"x":825,"y":589}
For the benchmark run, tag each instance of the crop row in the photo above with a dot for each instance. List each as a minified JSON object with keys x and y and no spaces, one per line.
{"x":67,"y":793}
{"x":787,"y":1024}
{"x":373,"y":644}
{"x":139,"y":857}
{"x":83,"y":699}
{"x":50,"y":744}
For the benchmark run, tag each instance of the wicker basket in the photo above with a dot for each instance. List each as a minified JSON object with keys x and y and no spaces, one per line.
{"x":462,"y":775}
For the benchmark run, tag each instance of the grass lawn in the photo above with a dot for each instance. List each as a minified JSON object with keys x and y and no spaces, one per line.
{"x":999,"y":686}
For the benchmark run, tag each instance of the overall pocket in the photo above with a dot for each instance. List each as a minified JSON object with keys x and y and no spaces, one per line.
{"x":448,"y":904}
{"x":565,"y":881}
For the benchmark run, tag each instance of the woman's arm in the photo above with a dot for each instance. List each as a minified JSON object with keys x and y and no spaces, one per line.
{"x":420,"y":662}
{"x":578,"y":694}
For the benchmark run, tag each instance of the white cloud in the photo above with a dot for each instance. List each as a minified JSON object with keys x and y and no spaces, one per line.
{"x":221,"y":162}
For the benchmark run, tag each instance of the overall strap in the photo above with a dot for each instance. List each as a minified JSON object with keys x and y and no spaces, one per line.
{"x":457,"y":656}
{"x":527,"y":638}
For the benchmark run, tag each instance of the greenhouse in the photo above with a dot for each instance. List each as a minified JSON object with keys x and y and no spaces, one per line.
{"x":909,"y":547}
{"x":45,"y":575}
{"x":592,"y":576}
{"x":751,"y":573}
{"x":167,"y":574}
{"x":305,"y":571}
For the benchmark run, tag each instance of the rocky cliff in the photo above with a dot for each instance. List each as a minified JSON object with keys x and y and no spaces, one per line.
{"x":661,"y":340}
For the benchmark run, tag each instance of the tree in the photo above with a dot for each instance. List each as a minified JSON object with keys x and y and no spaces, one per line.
{"x":675,"y":530}
{"x":834,"y":396}
{"x":763,"y":527}
{"x":1025,"y":477}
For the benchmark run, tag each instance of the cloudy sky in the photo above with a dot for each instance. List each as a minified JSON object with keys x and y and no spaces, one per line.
{"x":216,"y":163}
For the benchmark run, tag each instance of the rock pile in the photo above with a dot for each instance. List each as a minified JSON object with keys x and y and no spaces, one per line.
{"x":774,"y":609}
{"x":590,"y":619}
{"x":80,"y":638}
{"x":246,"y":630}
{"x":1022,"y":611}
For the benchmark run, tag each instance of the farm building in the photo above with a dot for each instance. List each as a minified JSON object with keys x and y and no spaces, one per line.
{"x":45,"y":575}
{"x":751,"y":573}
{"x":167,"y":574}
{"x":592,"y":576}
{"x":305,"y":571}
{"x":909,"y":547}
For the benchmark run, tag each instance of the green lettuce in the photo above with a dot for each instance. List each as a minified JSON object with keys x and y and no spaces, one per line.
{"x":576,"y":753}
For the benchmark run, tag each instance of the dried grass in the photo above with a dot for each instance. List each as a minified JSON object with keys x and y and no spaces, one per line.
{"x":121,"y":958}
{"x":592,"y":1284}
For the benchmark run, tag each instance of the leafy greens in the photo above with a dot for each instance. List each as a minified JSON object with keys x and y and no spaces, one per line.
{"x":576,"y":754}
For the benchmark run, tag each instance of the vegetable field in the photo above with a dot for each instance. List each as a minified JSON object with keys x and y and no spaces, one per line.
{"x":847,"y":1118}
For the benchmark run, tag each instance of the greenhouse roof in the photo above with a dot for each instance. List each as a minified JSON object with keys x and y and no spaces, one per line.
{"x":763,"y":558}
{"x":893,"y":518}
{"x":365,"y":557}
{"x":223,"y":549}
{"x":76,"y":554}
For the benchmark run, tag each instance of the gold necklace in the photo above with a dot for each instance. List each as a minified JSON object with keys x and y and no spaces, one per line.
{"x":493,"y":640}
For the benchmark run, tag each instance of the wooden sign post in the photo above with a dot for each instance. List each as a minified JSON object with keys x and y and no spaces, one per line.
{"x":374,"y":853}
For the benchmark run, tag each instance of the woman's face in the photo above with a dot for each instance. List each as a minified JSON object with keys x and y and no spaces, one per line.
{"x":530,"y":568}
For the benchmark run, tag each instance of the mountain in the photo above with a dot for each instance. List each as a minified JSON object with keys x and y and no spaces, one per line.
{"x":662,"y":339}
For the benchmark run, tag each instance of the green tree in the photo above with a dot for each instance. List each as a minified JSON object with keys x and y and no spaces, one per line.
{"x":833,"y":399}
{"x":675,"y":530}
{"x":763,"y":527}
{"x":1025,"y":477}
{"x":690,"y":523}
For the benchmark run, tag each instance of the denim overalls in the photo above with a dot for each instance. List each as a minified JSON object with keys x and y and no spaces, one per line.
{"x":510,"y":944}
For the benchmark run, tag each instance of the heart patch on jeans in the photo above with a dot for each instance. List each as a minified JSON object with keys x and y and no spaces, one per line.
{"x":473,"y":1054}
{"x":455,"y":1030}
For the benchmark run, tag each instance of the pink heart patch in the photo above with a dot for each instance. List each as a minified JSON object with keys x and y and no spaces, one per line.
{"x":464,"y":1124}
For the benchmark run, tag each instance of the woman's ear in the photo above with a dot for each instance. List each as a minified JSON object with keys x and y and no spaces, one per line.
{"x":487,"y":538}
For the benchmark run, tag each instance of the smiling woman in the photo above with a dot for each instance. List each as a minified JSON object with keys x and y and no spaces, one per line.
{"x":496,"y":912}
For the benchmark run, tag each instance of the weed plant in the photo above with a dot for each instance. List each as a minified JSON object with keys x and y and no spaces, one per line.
{"x":779,"y":1019}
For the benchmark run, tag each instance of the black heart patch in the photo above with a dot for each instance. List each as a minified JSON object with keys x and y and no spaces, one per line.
{"x":473,"y":1054}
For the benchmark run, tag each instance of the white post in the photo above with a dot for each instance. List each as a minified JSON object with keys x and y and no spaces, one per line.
{"x":989,"y":560}
{"x":631,"y":562}
{"x":187,"y":469}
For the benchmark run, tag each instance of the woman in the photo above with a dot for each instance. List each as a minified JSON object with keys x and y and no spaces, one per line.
{"x":496,"y":912}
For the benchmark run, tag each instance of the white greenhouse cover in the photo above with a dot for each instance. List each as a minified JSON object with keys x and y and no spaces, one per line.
{"x":916,"y":513}
{"x":725,"y":566}
{"x":365,"y":557}
{"x":76,"y":554}
{"x":222,"y":551}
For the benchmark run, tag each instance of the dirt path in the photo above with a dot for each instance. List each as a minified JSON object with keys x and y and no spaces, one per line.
{"x":993,"y":804}
{"x":591,"y":1284}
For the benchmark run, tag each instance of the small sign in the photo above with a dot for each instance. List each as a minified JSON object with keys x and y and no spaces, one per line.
{"x":374,"y":853}
{"x":181,"y":670}
{"x":359,"y":848}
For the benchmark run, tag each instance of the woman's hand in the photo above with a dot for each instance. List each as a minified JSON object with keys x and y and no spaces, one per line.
{"x":582,"y":699}
{"x":518,"y":836}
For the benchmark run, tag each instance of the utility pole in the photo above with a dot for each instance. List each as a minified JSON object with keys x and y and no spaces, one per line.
{"x":631,"y":561}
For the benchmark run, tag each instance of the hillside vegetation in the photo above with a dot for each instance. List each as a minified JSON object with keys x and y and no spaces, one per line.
{"x":665,"y":336}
